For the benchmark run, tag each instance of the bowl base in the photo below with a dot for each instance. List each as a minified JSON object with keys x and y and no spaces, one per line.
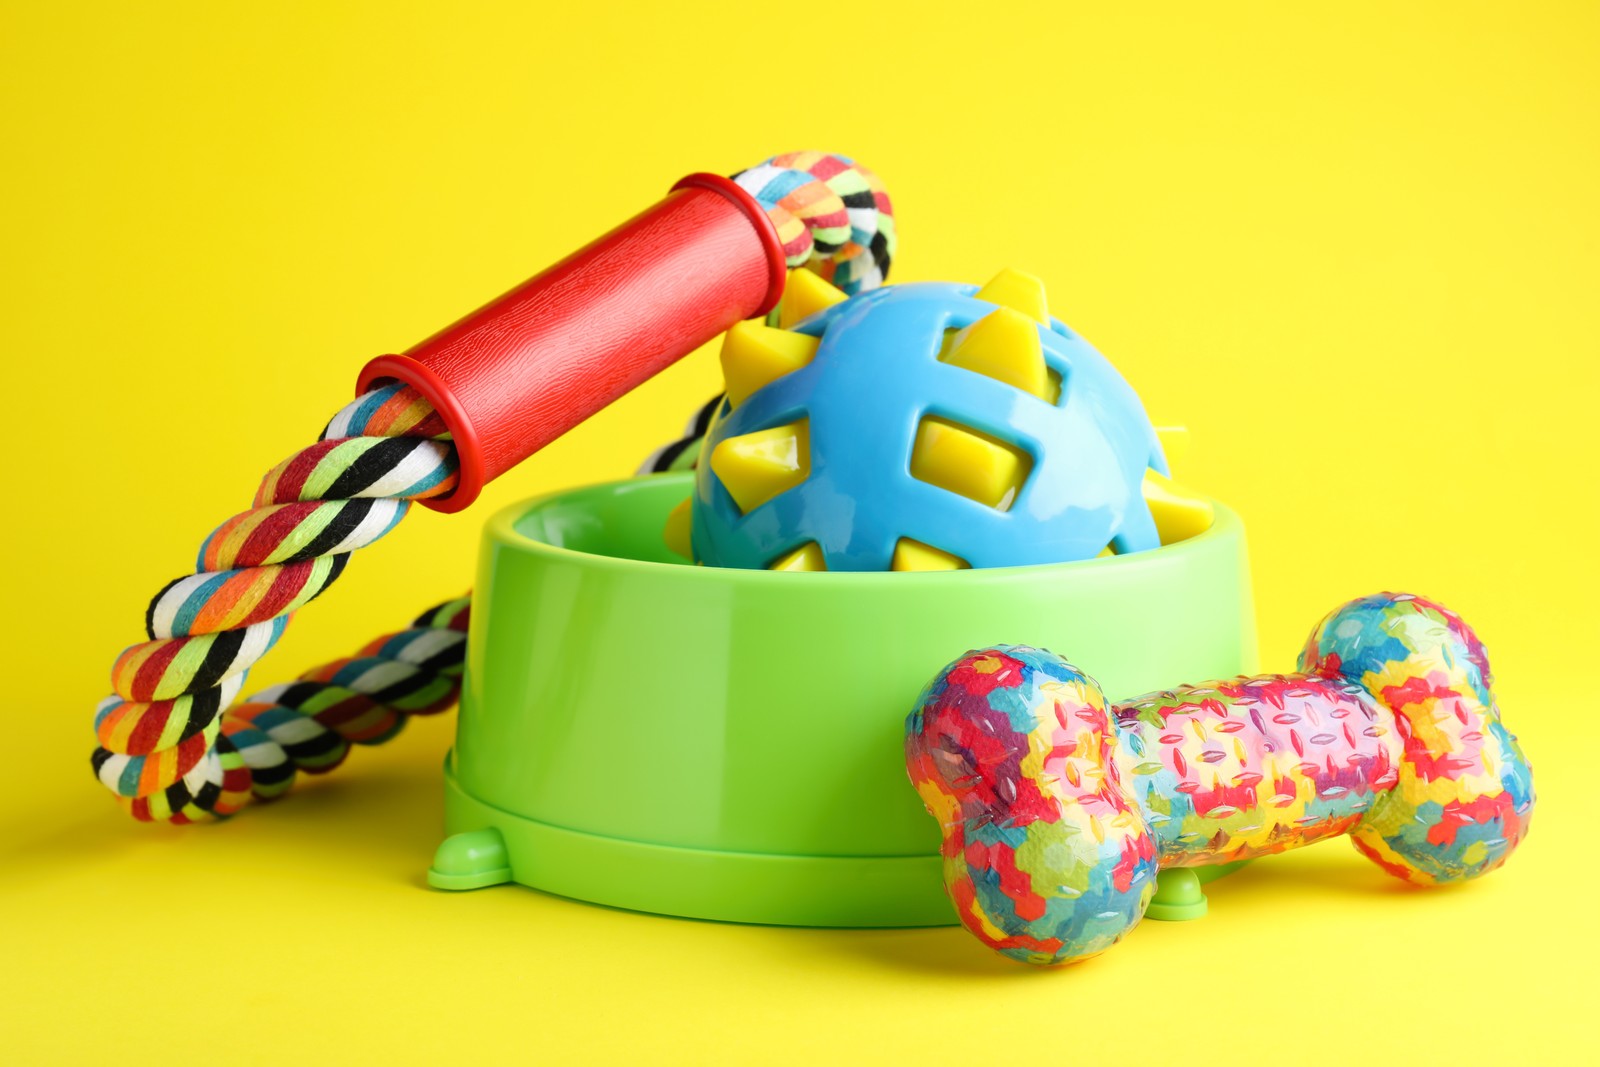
{"x":491,"y":846}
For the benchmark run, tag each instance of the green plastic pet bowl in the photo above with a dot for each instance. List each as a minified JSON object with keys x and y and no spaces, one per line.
{"x":727,"y":744}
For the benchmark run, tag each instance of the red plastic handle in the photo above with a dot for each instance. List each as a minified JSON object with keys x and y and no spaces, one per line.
{"x":524,"y":369}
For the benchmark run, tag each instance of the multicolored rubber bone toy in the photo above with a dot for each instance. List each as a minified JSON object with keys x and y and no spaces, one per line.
{"x":434,"y":425}
{"x":1058,"y":810}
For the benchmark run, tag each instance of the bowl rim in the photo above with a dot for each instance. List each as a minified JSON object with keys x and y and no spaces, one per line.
{"x":502,"y":528}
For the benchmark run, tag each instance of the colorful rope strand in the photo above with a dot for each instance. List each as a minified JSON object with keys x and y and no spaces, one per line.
{"x":167,"y":747}
{"x":832,"y":214}
{"x":170,"y":746}
{"x":834,"y":219}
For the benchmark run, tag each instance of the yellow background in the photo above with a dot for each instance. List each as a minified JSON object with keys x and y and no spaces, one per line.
{"x":1353,"y":246}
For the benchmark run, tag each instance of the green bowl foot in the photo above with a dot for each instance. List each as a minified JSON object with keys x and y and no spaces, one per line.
{"x":470,"y":860}
{"x":1178,"y":896}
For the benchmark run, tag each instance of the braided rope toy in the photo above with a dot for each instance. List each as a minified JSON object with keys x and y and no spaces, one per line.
{"x":172,"y":744}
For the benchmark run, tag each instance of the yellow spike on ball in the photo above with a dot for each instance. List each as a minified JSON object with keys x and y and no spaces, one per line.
{"x":676,"y":534}
{"x":808,"y":557}
{"x":755,"y":467}
{"x":804,"y":294}
{"x":1020,"y":290}
{"x":1179,"y":513}
{"x":968,"y":462}
{"x":912,"y":555}
{"x":753,"y":355}
{"x":1003,"y":345}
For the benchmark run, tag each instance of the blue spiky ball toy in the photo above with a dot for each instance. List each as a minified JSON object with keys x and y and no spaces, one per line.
{"x":920,"y":427}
